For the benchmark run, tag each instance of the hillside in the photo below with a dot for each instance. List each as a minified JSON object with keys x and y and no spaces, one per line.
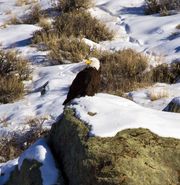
{"x":139,"y":55}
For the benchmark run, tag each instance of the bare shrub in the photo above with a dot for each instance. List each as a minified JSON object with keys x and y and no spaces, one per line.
{"x":62,"y":48}
{"x":71,"y":49}
{"x":13,"y":70}
{"x":12,"y":64}
{"x":22,"y":2}
{"x":14,"y":20}
{"x":166,"y":73}
{"x":69,"y":5}
{"x":13,"y":147}
{"x":47,"y":38}
{"x":161,"y":6}
{"x":81,"y":24}
{"x":11,"y":88}
{"x":122,"y":71}
{"x":178,"y":27}
{"x":44,"y":23}
{"x":34,"y":16}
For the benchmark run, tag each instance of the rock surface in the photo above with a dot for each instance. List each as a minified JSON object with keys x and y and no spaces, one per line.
{"x":173,"y":106}
{"x":29,"y":174}
{"x":132,"y":157}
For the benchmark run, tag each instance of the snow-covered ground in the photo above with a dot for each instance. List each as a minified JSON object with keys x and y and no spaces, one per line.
{"x":151,"y":34}
{"x":110,"y":114}
{"x":148,"y":34}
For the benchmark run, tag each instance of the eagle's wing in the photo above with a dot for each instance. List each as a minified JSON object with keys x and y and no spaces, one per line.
{"x":79,"y":85}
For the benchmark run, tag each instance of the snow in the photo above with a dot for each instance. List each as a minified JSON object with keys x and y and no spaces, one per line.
{"x":113,"y":114}
{"x":40,"y":152}
{"x":33,"y":105}
{"x":20,"y":37}
{"x":152,"y":35}
{"x":142,"y":96}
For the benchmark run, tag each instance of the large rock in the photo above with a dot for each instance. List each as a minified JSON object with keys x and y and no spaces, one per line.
{"x":35,"y":166}
{"x":29,"y":174}
{"x":132,"y":157}
{"x":173,"y":106}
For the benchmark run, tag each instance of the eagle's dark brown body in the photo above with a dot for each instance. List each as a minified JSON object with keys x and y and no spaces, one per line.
{"x":86,"y":82}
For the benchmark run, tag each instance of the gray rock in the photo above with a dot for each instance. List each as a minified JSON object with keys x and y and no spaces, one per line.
{"x":132,"y":157}
{"x":173,"y":106}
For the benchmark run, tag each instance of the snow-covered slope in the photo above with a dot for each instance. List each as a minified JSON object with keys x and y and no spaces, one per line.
{"x":151,"y":34}
{"x":132,"y":29}
{"x":110,"y":114}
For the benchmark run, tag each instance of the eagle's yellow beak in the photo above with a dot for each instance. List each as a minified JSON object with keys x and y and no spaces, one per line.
{"x":88,"y":62}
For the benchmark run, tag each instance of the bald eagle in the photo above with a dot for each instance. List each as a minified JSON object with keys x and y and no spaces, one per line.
{"x":86,"y":82}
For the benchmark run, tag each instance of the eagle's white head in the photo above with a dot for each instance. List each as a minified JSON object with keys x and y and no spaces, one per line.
{"x":93,"y":62}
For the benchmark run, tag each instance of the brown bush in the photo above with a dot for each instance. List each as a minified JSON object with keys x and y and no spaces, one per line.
{"x":11,"y":148}
{"x":161,"y":6}
{"x":166,"y":73}
{"x":81,"y":24}
{"x":34,"y":15}
{"x":44,"y":23}
{"x":69,"y":5}
{"x":48,"y":38}
{"x":71,"y":49}
{"x":178,"y":27}
{"x":13,"y":70}
{"x":62,"y":47}
{"x":122,"y":71}
{"x":11,"y":88}
{"x":12,"y":64}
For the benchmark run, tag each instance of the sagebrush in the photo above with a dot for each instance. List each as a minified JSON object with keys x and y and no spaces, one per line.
{"x":13,"y":70}
{"x":70,"y":49}
{"x":69,"y":5}
{"x":161,"y":6}
{"x":82,"y":24}
{"x":122,"y":71}
{"x":166,"y":73}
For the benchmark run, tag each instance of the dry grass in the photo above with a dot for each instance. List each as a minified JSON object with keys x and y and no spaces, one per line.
{"x":161,"y":6}
{"x":81,"y":24}
{"x":13,"y":70}
{"x":45,"y":23}
{"x":48,"y":38}
{"x":156,"y":94}
{"x":165,"y":73}
{"x":122,"y":71}
{"x":62,"y":48}
{"x":70,"y":49}
{"x":11,"y":88}
{"x":12,"y":64}
{"x":178,"y":27}
{"x":35,"y":15}
{"x":13,"y":147}
{"x":14,"y":20}
{"x":22,"y":2}
{"x":69,"y":5}
{"x":25,"y":2}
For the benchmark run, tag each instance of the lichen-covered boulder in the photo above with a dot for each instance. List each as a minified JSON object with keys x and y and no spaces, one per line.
{"x":28,"y":175}
{"x":36,"y":166}
{"x":173,"y":106}
{"x":132,"y":157}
